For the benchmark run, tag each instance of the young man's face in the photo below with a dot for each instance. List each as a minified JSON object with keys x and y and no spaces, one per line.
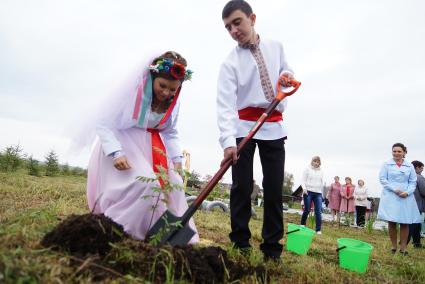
{"x":240,"y":27}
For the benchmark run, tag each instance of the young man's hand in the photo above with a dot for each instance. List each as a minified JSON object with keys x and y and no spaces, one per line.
{"x":229,"y":152}
{"x":121,"y":163}
{"x":285,"y":79}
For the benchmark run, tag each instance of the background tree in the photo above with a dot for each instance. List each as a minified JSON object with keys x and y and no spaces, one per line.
{"x":194,"y":180}
{"x":33,"y":167}
{"x":52,"y":163}
{"x":288,"y":183}
{"x":65,"y":170}
{"x":11,"y":158}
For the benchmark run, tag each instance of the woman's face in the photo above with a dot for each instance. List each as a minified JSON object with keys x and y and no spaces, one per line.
{"x":347,"y":181}
{"x":315,"y":163}
{"x":398,"y":153}
{"x":360,"y":182}
{"x":165,"y":89}
{"x":336,"y":179}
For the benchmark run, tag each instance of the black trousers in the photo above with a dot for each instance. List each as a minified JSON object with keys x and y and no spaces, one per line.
{"x":272,"y":156}
{"x":415,"y":233}
{"x":360,"y":215}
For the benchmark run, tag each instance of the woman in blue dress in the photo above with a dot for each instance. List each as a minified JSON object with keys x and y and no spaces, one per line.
{"x":397,"y":204}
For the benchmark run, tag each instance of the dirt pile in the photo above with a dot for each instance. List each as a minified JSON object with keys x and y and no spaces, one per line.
{"x":107,"y":252}
{"x":84,"y":234}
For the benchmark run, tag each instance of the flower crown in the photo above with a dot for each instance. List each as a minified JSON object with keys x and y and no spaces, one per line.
{"x":175,"y":69}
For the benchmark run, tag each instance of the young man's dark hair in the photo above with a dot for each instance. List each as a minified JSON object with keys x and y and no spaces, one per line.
{"x":236,"y":5}
{"x":417,"y":164}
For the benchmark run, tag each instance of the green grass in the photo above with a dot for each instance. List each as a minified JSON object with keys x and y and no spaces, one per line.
{"x":31,"y":206}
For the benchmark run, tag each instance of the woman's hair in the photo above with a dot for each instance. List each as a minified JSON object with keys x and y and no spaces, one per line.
{"x":351,"y":181}
{"x":316,"y":158}
{"x":171,"y":55}
{"x":401,"y":145}
{"x":417,"y":164}
{"x":234,"y":5}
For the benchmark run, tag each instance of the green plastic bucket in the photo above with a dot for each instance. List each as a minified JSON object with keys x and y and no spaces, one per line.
{"x":353,"y":254}
{"x":299,"y":238}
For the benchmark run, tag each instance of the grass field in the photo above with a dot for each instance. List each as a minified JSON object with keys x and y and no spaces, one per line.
{"x":31,"y":206}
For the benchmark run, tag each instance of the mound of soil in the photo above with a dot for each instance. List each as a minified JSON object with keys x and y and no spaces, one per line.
{"x":84,"y":234}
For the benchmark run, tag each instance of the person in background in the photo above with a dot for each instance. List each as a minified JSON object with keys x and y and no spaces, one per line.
{"x":397,"y":204}
{"x":312,"y":182}
{"x":360,"y":196}
{"x":415,"y":228}
{"x":334,"y":197}
{"x":368,"y":208}
{"x":347,"y":198}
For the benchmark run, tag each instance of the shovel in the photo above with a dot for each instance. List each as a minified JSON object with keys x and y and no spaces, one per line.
{"x":175,"y":230}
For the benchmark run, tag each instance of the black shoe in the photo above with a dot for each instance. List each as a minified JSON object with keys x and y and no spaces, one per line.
{"x":418,"y":246}
{"x":393,"y":251}
{"x":404,"y":253}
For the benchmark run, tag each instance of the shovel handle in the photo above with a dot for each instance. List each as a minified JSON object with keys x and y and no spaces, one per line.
{"x":280,"y":95}
{"x":293,"y":231}
{"x":340,"y":248}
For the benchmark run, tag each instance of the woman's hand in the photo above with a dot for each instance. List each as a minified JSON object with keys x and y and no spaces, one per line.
{"x":403,"y":194}
{"x":121,"y":163}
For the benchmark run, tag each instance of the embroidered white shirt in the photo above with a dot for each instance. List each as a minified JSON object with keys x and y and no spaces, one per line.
{"x":239,"y":86}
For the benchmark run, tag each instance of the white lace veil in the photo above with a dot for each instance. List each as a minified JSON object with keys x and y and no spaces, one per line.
{"x":116,"y":111}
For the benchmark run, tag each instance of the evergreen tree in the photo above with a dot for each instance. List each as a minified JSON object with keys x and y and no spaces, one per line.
{"x":52,"y":163}
{"x":33,"y":167}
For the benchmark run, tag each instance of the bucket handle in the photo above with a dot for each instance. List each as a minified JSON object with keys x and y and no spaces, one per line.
{"x":296,"y":230}
{"x":340,"y":248}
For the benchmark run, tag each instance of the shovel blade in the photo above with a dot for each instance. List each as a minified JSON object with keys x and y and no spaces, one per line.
{"x":169,"y":229}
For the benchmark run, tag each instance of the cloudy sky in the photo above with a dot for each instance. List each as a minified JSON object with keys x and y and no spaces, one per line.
{"x":361,"y":64}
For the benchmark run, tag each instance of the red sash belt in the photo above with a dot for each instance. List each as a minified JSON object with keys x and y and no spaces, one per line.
{"x":254,"y":113}
{"x":159,"y":154}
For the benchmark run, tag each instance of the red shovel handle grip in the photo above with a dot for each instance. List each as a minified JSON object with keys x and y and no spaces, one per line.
{"x":281,"y":95}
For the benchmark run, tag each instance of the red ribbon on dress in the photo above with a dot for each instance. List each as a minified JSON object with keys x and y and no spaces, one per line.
{"x":159,"y":154}
{"x":254,"y":113}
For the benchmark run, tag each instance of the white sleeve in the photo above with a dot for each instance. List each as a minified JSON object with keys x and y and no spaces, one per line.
{"x":284,"y":69}
{"x":284,"y":66}
{"x":227,"y":116}
{"x":110,"y":143}
{"x":171,"y":137}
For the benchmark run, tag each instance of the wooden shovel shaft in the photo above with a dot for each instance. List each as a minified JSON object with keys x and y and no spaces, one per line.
{"x":216,"y":178}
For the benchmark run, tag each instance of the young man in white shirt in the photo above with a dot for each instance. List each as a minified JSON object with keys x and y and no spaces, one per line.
{"x":246,"y":86}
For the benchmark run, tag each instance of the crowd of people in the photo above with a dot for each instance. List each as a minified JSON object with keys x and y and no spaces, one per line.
{"x":340,"y":198}
{"x":401,"y":203}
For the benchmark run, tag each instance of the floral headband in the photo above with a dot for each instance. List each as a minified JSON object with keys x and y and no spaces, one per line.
{"x":175,"y":69}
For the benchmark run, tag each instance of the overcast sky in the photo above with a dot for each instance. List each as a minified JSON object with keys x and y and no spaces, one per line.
{"x":361,"y":64}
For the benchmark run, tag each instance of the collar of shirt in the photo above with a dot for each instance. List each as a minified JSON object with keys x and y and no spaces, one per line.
{"x":251,"y":45}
